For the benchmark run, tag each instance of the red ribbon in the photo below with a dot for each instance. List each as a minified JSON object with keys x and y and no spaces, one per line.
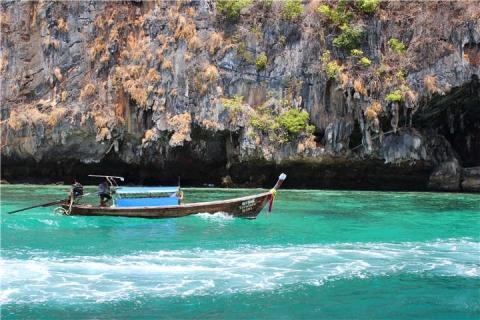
{"x":271,"y":203}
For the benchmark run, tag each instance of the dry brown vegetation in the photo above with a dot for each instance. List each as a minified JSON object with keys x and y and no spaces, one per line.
{"x":58,"y":73}
{"x":87,"y":91}
{"x":162,"y":39}
{"x":180,"y":124}
{"x":185,"y":29}
{"x":373,"y":110}
{"x":202,"y":80}
{"x":411,"y":96}
{"x":370,"y":114}
{"x":190,"y":12}
{"x":472,"y":53}
{"x":62,"y":25}
{"x":194,"y":43}
{"x":214,"y":42}
{"x":430,"y":83}
{"x":167,"y":65}
{"x":4,"y":20}
{"x":149,"y":135}
{"x":17,"y":120}
{"x":3,"y":63}
{"x":113,"y":35}
{"x":99,"y":22}
{"x":32,"y":115}
{"x":104,"y":119}
{"x":136,"y":91}
{"x":153,"y":75}
{"x":50,"y":42}
{"x":306,"y":144}
{"x":64,"y":96}
{"x":210,"y":73}
{"x":343,"y":79}
{"x":210,"y":124}
{"x":56,"y":116}
{"x":104,"y":134}
{"x":98,"y":47}
{"x":359,"y":87}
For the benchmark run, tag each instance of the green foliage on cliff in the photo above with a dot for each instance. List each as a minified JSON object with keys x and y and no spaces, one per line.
{"x":338,"y":15}
{"x":394,"y":96}
{"x":267,"y":4}
{"x":294,"y":121}
{"x":262,"y":119}
{"x":365,"y":62}
{"x":362,"y":60}
{"x":261,"y":61}
{"x":396,"y":45}
{"x":356,"y":52}
{"x":332,"y":69}
{"x":349,"y":38}
{"x":368,"y":6}
{"x":282,"y":127}
{"x":231,"y":8}
{"x":326,"y":57}
{"x":234,"y":105}
{"x":400,"y":75}
{"x":292,"y":9}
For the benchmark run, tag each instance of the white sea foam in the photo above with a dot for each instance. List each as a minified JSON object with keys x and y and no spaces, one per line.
{"x":49,"y":222}
{"x":203,"y":272}
{"x":217,"y":216}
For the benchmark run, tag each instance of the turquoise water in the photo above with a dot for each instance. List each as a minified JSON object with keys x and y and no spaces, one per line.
{"x":320,"y":254}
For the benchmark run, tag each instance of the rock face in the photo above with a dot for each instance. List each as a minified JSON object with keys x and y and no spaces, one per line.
{"x":471,"y":179}
{"x":153,"y":90}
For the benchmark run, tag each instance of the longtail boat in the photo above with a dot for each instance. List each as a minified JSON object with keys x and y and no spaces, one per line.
{"x":164,"y":202}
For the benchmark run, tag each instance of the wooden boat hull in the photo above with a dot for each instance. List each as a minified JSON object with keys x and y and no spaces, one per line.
{"x":245,"y":207}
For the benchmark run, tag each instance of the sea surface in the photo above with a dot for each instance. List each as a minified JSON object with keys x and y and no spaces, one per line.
{"x":318,"y":255}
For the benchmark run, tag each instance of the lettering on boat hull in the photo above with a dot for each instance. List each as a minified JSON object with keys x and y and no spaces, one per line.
{"x":247,"y":206}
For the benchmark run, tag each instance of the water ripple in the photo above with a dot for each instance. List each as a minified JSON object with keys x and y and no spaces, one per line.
{"x":43,"y":277}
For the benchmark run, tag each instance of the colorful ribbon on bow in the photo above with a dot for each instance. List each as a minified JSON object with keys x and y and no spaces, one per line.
{"x":273,"y":193}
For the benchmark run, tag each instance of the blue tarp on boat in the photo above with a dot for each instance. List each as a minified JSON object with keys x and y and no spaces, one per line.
{"x":145,"y":190}
{"x":147,"y":202}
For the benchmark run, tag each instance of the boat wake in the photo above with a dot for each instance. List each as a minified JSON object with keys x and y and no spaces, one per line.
{"x":43,"y":277}
{"x":217,"y":216}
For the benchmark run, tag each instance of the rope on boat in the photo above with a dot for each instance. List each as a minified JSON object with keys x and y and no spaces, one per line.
{"x":61,"y":211}
{"x":65,"y":212}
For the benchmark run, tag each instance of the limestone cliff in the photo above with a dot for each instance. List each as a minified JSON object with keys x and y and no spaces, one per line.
{"x":342,"y":94}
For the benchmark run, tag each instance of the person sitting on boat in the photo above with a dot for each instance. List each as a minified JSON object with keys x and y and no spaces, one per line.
{"x":104,"y":193}
{"x":76,"y":190}
{"x":178,"y":195}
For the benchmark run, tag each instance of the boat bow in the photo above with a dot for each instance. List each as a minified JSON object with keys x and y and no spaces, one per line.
{"x":273,"y":191}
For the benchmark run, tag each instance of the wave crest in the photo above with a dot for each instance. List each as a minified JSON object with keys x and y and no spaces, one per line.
{"x":201,"y":272}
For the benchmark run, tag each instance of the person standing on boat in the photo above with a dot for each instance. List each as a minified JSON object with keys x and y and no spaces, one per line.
{"x":76,"y":190}
{"x":104,"y":193}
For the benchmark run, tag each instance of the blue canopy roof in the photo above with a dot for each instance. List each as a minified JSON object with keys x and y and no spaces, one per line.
{"x":143,"y":190}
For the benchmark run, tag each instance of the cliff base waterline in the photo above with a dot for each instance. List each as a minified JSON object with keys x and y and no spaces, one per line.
{"x":361,"y":175}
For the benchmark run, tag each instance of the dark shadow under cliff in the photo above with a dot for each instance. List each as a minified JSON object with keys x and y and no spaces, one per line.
{"x":456,"y":116}
{"x":363,"y":175}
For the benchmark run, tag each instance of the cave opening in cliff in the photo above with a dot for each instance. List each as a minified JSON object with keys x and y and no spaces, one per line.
{"x":456,"y":116}
{"x":355,"y":136}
